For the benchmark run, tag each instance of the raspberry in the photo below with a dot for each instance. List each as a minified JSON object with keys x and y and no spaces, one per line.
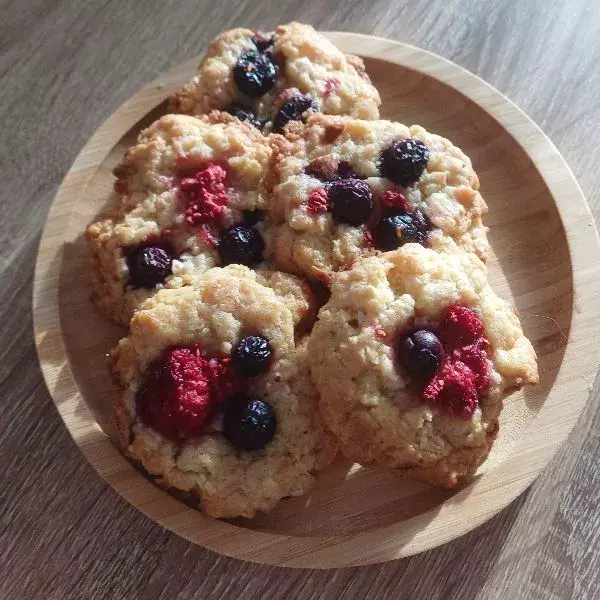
{"x":475,"y":357}
{"x":206,"y":235}
{"x":368,"y":240}
{"x":393,"y":199}
{"x":460,"y":326}
{"x":206,"y":195}
{"x":182,"y":390}
{"x":453,"y":389}
{"x":317,"y":202}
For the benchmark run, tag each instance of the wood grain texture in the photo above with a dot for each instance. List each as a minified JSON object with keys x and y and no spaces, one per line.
{"x":65,"y":67}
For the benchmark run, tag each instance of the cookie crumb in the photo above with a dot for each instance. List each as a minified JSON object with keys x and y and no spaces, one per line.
{"x":317,"y":202}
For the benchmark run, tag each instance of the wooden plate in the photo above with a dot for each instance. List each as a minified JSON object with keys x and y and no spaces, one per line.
{"x":546,"y":260}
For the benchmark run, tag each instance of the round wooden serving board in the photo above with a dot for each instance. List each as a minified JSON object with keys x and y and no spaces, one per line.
{"x":546,"y":261}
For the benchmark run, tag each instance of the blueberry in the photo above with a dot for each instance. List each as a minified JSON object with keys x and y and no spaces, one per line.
{"x":254,"y":74}
{"x":149,"y":265}
{"x":251,"y":356}
{"x":420,"y":353}
{"x":397,"y":228}
{"x":248,"y":423}
{"x":241,"y":245}
{"x":244,"y":113}
{"x":404,"y":161}
{"x":351,"y":200}
{"x":293,"y":110}
{"x":346,"y":171}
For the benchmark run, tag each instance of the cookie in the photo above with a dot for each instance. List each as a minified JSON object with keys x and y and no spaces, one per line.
{"x":413,"y":356}
{"x":297,"y":295}
{"x":342,"y":188}
{"x":271,"y":79}
{"x":189,"y":199}
{"x":215,"y":399}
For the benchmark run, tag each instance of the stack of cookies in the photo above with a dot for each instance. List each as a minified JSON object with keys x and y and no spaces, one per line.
{"x":299,"y":278}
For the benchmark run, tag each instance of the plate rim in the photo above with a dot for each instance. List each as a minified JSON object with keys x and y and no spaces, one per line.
{"x":374,"y":545}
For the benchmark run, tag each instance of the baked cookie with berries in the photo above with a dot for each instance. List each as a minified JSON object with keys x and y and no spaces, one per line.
{"x":215,"y":399}
{"x":273,"y":78}
{"x":342,"y":188}
{"x":189,"y":199}
{"x":413,"y":356}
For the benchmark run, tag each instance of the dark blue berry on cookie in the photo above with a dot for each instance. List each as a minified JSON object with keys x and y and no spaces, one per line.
{"x":293,"y":110}
{"x":404,"y":161}
{"x":248,"y":423}
{"x":251,"y":356}
{"x":241,"y":245}
{"x":397,"y":228}
{"x":244,"y":113}
{"x":346,"y":171}
{"x":149,"y":265}
{"x":254,"y":74}
{"x":420,"y":353}
{"x":351,"y":201}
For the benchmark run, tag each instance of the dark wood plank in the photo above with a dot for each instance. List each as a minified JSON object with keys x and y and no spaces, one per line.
{"x":65,"y":65}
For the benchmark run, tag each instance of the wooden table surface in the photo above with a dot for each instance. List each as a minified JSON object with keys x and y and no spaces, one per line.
{"x":65,"y":66}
